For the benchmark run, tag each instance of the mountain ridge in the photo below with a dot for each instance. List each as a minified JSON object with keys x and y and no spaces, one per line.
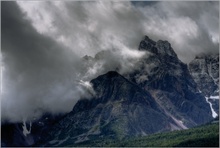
{"x":116,"y":115}
{"x":166,"y":99}
{"x":159,"y":95}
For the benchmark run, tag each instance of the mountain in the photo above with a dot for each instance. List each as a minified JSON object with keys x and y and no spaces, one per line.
{"x":205,"y":71}
{"x":159,"y":96}
{"x":120,"y":109}
{"x":169,"y":82}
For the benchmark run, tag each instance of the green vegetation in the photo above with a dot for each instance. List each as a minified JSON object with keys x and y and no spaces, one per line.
{"x":203,"y":136}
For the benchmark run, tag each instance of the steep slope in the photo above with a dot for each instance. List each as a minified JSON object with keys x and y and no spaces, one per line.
{"x":205,"y":71}
{"x":120,"y":109}
{"x":170,"y":83}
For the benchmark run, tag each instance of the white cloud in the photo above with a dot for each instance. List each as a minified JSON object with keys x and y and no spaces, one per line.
{"x":191,"y":27}
{"x":89,"y":27}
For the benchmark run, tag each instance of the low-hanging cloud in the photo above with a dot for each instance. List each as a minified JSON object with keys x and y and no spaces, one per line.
{"x":42,"y":74}
{"x":39,"y":75}
{"x":42,"y":49}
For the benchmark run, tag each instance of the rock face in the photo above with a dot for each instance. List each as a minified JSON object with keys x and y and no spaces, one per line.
{"x":205,"y":71}
{"x":120,"y":109}
{"x":170,"y":83}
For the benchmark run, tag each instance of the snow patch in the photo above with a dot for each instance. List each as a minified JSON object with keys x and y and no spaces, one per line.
{"x":214,"y":97}
{"x":214,"y":114}
{"x":25,"y":130}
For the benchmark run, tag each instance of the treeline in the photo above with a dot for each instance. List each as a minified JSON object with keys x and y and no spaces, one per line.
{"x":203,"y":136}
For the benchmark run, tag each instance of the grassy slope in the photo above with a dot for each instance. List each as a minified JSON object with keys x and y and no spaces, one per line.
{"x":203,"y":136}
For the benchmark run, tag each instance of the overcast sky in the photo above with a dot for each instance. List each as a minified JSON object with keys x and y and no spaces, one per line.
{"x":87,"y":27}
{"x":43,"y":42}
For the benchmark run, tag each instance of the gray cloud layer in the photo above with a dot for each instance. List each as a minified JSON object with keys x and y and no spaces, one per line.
{"x":39,"y":75}
{"x":191,"y":27}
{"x":88,"y":27}
{"x":42,"y":50}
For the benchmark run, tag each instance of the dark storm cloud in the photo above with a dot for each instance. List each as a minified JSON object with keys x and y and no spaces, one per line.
{"x":88,"y":26}
{"x":39,"y":74}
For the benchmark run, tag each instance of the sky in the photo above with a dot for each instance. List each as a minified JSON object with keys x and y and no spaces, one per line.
{"x":43,"y":43}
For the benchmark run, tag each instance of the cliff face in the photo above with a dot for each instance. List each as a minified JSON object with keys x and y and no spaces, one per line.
{"x":205,"y":71}
{"x":170,"y":83}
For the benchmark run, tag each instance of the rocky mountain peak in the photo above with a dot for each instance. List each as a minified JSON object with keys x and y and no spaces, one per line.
{"x":164,"y":48}
{"x":147,"y":39}
{"x":148,"y":45}
{"x":110,"y":78}
{"x":160,"y":47}
{"x":205,"y":71}
{"x":163,"y":62}
{"x":168,"y":80}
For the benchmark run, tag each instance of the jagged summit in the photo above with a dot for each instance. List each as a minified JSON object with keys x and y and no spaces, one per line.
{"x":148,"y":44}
{"x":160,"y":47}
{"x":168,"y":80}
{"x":164,"y":48}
